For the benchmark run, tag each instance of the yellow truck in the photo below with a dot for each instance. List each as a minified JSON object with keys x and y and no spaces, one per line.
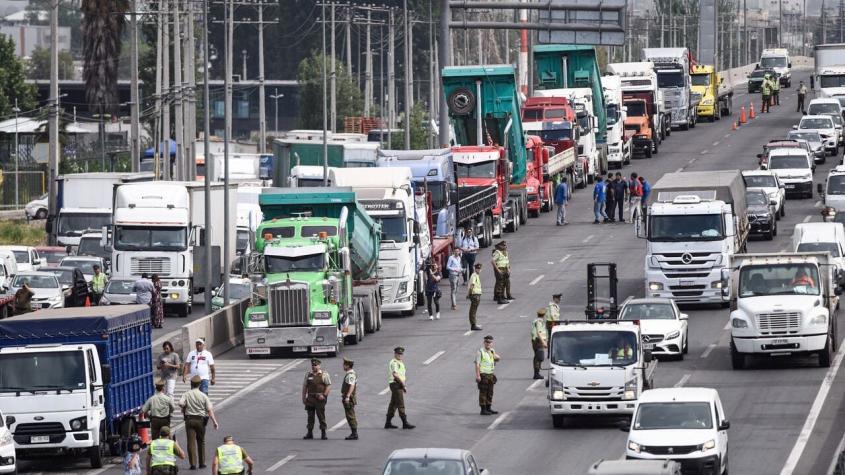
{"x":716,"y":96}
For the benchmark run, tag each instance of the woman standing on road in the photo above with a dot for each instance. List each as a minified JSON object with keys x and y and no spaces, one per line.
{"x":168,"y":366}
{"x":156,"y":305}
{"x":80,"y":288}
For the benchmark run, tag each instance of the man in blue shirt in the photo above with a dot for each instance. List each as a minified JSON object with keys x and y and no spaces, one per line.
{"x":599,"y":196}
{"x":646,"y":192}
{"x":561,"y":197}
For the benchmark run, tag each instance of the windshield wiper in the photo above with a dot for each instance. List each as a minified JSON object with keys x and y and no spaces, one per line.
{"x":14,"y":389}
{"x":574,"y":365}
{"x":57,"y":387}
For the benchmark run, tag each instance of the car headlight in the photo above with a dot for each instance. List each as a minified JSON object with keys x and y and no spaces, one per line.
{"x":104,"y":300}
{"x":708,"y":445}
{"x":6,"y":439}
{"x":673,"y":335}
{"x":55,"y":298}
{"x":322,"y":315}
{"x":819,"y":320}
{"x":79,"y":423}
{"x":174,"y":296}
{"x":739,"y":323}
{"x":633,"y":446}
{"x":655,"y":286}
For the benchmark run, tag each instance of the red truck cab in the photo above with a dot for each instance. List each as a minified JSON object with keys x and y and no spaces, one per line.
{"x":552,"y":122}
{"x":487,"y":165}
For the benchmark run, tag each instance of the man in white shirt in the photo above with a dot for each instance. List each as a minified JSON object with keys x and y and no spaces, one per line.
{"x":453,"y":265}
{"x":200,"y":363}
{"x":469,"y":248}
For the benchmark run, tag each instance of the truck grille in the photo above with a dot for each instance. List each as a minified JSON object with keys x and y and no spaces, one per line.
{"x":149,"y":265}
{"x":669,"y":449}
{"x":592,"y":393}
{"x":54,"y":430}
{"x":289,"y":304}
{"x":778,"y":323}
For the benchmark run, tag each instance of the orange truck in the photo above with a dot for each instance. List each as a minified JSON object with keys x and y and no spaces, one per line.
{"x":638,"y":127}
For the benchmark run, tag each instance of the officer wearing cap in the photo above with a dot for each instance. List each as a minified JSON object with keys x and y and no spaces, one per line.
{"x":229,"y":459}
{"x":161,"y":458}
{"x":539,"y":340}
{"x":197,"y":409}
{"x":159,"y":407}
{"x":485,"y":365}
{"x":474,"y":296}
{"x":315,"y":392}
{"x":348,"y":390}
{"x":502,"y":271}
{"x":552,"y":312}
{"x":397,"y":382}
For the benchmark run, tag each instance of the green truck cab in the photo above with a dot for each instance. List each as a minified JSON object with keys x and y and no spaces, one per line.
{"x":314,"y":273}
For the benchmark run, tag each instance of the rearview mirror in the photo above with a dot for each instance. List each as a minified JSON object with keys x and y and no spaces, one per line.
{"x":684,"y":316}
{"x":725,"y":425}
{"x":773,"y":202}
{"x":794,"y":127}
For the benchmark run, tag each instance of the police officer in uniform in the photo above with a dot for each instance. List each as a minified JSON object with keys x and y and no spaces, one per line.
{"x":539,"y":341}
{"x":474,"y":296}
{"x":485,"y":365}
{"x":397,"y":382}
{"x":776,"y":89}
{"x":315,"y":392}
{"x":161,"y":458}
{"x":502,"y":271}
{"x":766,"y":91}
{"x":552,"y":313}
{"x":229,"y":459}
{"x":348,"y":390}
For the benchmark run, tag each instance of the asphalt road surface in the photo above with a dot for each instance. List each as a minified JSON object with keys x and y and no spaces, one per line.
{"x":777,"y":414}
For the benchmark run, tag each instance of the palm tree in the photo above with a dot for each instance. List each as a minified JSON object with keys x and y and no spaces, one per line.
{"x":102,"y":28}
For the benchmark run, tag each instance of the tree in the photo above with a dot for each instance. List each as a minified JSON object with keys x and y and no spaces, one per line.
{"x":310,"y":74}
{"x":102,"y":27}
{"x":419,"y":130}
{"x":39,"y":64}
{"x":12,"y":81}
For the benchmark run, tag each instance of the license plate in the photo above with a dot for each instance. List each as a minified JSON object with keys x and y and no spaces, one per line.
{"x":322,"y":349}
{"x":648,"y":346}
{"x":300,"y":348}
{"x":39,"y":439}
{"x":258,"y":351}
{"x":686,"y":283}
{"x":780,"y":341}
{"x":789,"y":187}
{"x":45,"y":305}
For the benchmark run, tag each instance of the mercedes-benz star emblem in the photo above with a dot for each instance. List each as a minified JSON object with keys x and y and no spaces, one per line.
{"x":671,"y":450}
{"x":686,"y":258}
{"x":646,"y":338}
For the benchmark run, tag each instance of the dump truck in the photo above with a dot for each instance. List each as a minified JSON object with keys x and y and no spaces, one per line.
{"x":305,"y":147}
{"x":314,"y":273}
{"x":554,"y":122}
{"x":716,"y":96}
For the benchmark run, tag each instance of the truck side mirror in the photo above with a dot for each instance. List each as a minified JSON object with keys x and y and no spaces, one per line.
{"x":726,"y":277}
{"x":789,"y":65}
{"x":10,"y":420}
{"x":106,"y":371}
{"x":725,"y":425}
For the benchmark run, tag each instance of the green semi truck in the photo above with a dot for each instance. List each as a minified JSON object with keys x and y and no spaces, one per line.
{"x":314,"y":273}
{"x":298,"y":148}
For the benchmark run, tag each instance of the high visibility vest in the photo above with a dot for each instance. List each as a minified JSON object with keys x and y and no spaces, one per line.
{"x":500,"y":259}
{"x":475,"y":284}
{"x":621,"y":353}
{"x":98,"y":283}
{"x":485,"y":362}
{"x":162,"y":453}
{"x":230,"y":459}
{"x":766,"y":89}
{"x":776,"y":84}
{"x":397,"y":367}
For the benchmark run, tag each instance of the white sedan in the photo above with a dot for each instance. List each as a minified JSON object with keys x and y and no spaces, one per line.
{"x":37,"y":208}
{"x":46,"y":290}
{"x":7,"y":448}
{"x":664,"y":327}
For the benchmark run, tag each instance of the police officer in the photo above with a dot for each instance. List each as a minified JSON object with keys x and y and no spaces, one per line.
{"x":776,"y":89}
{"x":474,"y":296}
{"x":766,"y":91}
{"x":552,"y":312}
{"x":229,"y":459}
{"x":539,"y":341}
{"x":485,"y":365}
{"x":802,"y":94}
{"x":397,"y":382}
{"x":159,"y":407}
{"x":161,"y":458}
{"x":197,"y":410}
{"x":315,"y":392}
{"x":502,"y":271}
{"x":348,"y":390}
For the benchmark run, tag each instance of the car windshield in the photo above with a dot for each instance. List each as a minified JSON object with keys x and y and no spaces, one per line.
{"x":818,"y":123}
{"x":427,"y":466}
{"x":808,"y":136}
{"x":76,"y":223}
{"x":757,"y":74}
{"x":594,"y":348}
{"x":673,"y":415}
{"x":780,"y":162}
{"x":476,"y":170}
{"x":636,"y":109}
{"x":237,"y":291}
{"x":700,"y":79}
{"x":670,"y":79}
{"x":832,"y":80}
{"x":53,"y":256}
{"x":836,"y":185}
{"x":648,"y":311}
{"x":823,"y":108}
{"x":555,"y":135}
{"x":92,"y":247}
{"x":65,"y":276}
{"x":760,"y":181}
{"x":773,"y":62}
{"x":756,"y":198}
{"x":21,"y":257}
{"x":691,"y":227}
{"x":49,"y":370}
{"x":36,"y":281}
{"x":778,"y":279}
{"x":150,"y":239}
{"x":830,"y":247}
{"x":241,"y":240}
{"x":280,"y":265}
{"x":121,"y":287}
{"x":85,"y":265}
{"x":392,"y":228}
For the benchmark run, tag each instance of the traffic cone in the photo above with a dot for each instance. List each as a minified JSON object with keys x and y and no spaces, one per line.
{"x":734,"y":125}
{"x":144,"y":429}
{"x":742,"y":118}
{"x":87,"y":301}
{"x":751,"y":111}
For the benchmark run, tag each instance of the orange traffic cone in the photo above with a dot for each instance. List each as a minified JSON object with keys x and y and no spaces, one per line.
{"x":751,"y":111}
{"x":742,"y":118}
{"x":87,"y":301}
{"x":734,"y":125}
{"x":144,"y":429}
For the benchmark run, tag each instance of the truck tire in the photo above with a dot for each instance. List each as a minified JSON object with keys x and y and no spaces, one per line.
{"x":558,"y":421}
{"x":656,"y":148}
{"x":513,"y":226}
{"x":826,"y":354}
{"x":648,"y":151}
{"x":461,"y":101}
{"x":523,"y":210}
{"x":369,"y":317}
{"x":737,"y":358}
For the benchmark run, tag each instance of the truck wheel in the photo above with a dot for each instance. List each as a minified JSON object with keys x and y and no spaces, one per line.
{"x":557,"y":421}
{"x":369,"y":318}
{"x":648,"y":151}
{"x":95,"y":454}
{"x":737,"y":358}
{"x":656,"y":148}
{"x":513,"y":226}
{"x":590,"y":179}
{"x":826,"y":354}
{"x":523,"y":210}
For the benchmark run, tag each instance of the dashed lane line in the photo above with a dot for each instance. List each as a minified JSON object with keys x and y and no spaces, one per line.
{"x":683,"y":380}
{"x":709,"y":349}
{"x":468,"y":333}
{"x":679,"y":170}
{"x":499,"y":420}
{"x":275,"y":466}
{"x":503,"y":306}
{"x":727,"y":326}
{"x":536,"y":279}
{"x":588,"y":238}
{"x":534,"y":385}
{"x":704,"y":152}
{"x":337,"y":426}
{"x":434,"y":357}
{"x":384,"y":391}
{"x":563,"y":259}
{"x":807,"y":219}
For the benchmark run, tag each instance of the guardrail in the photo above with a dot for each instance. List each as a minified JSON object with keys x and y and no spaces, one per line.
{"x":222,"y":330}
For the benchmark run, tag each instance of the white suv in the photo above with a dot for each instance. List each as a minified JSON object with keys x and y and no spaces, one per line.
{"x":687,"y":425}
{"x":824,"y":125}
{"x":794,"y":169}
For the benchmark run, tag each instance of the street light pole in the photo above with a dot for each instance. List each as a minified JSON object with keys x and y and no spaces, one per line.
{"x":207,"y":179}
{"x":276,"y":98}
{"x":17,"y":149}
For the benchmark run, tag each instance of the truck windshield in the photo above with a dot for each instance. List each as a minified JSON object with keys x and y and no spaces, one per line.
{"x":42,"y":371}
{"x":823,"y":108}
{"x":584,"y":121}
{"x":532,"y":114}
{"x":830,"y":247}
{"x":392,"y":228}
{"x":636,"y":109}
{"x":594,"y":348}
{"x":73,"y":224}
{"x":612,"y":114}
{"x":555,"y":135}
{"x":670,"y":79}
{"x":310,"y":231}
{"x":476,"y":170}
{"x":836,"y":185}
{"x":673,"y":415}
{"x":780,"y":162}
{"x":832,"y":81}
{"x":280,"y":265}
{"x":700,"y":79}
{"x":309,"y":182}
{"x":150,"y":239}
{"x":690,"y":227}
{"x":773,"y":62}
{"x":760,"y":181}
{"x":92,"y":247}
{"x":778,"y":279}
{"x":439,"y":198}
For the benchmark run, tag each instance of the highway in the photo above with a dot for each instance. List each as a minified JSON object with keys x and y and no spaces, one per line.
{"x":777,"y":416}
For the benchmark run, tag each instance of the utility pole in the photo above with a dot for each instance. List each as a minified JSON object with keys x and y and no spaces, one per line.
{"x":227,"y":133}
{"x":179,"y":132}
{"x":432,"y":74}
{"x":206,"y":119}
{"x":349,"y":13}
{"x":444,"y":56}
{"x":523,"y":52}
{"x":780,"y":21}
{"x":662,"y":29}
{"x":158,"y":102}
{"x":262,"y":98}
{"x":333,"y":72}
{"x":17,"y":111}
{"x":325,"y":106}
{"x":243,"y":64}
{"x":191,"y":98}
{"x":368,"y":74}
{"x":165,"y":121}
{"x":52,"y":199}
{"x":276,"y":98}
{"x":409,"y":65}
{"x":134,"y":130}
{"x":390,"y":100}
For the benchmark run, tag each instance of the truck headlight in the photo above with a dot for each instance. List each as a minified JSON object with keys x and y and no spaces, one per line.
{"x":403,"y":287}
{"x":819,"y":320}
{"x":630,"y":390}
{"x":655,"y":286}
{"x":633,"y":446}
{"x":557,"y":390}
{"x":673,"y":335}
{"x":739,"y":323}
{"x":79,"y":423}
{"x":322,"y":315}
{"x":710,"y":444}
{"x":174,"y":296}
{"x":716,"y":284}
{"x":557,"y":395}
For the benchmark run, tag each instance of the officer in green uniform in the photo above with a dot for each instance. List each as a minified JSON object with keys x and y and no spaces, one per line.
{"x":552,"y":312}
{"x":485,"y":365}
{"x":539,"y":341}
{"x":161,"y":458}
{"x":776,"y":89}
{"x":315,"y":392}
{"x":766,"y":91}
{"x":229,"y":459}
{"x":474,"y":296}
{"x":502,"y":271}
{"x":397,"y":382}
{"x":348,"y":390}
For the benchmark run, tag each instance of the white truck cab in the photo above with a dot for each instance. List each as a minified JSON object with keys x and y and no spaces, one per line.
{"x":823,"y":237}
{"x":618,"y":145}
{"x":778,"y":59}
{"x":833,"y":191}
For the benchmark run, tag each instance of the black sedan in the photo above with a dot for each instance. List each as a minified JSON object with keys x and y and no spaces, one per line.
{"x":761,"y":213}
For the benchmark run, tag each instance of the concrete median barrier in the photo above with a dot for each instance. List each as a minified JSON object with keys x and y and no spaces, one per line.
{"x":221,"y":330}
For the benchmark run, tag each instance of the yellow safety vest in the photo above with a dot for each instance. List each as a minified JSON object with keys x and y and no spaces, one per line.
{"x":395,"y":366}
{"x":230,"y":459}
{"x":538,"y":330}
{"x":486,"y":363}
{"x":620,"y":353}
{"x":98,"y":283}
{"x":767,"y":88}
{"x":162,"y":453}
{"x":500,"y":259}
{"x":776,"y":84}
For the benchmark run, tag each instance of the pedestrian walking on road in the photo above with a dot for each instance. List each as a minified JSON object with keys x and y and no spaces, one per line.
{"x":196,"y":410}
{"x":23,"y":299}
{"x":485,"y":377}
{"x":432,"y":291}
{"x":502,"y":272}
{"x":620,"y":189}
{"x":79,"y":291}
{"x":553,"y":312}
{"x":158,"y":408}
{"x":539,"y":341}
{"x":561,"y":199}
{"x":455,"y":268}
{"x":98,"y":285}
{"x":802,"y":94}
{"x":469,"y":249}
{"x":200,"y":363}
{"x":348,"y":391}
{"x":474,"y":296}
{"x":315,"y":392}
{"x":599,"y":197}
{"x":646,"y":194}
{"x":156,"y":304}
{"x":635,"y":198}
{"x":143,"y":290}
{"x":397,"y":382}
{"x":168,"y":366}
{"x":766,"y":92}
{"x":161,"y":458}
{"x":229,"y":459}
{"x":609,"y":199}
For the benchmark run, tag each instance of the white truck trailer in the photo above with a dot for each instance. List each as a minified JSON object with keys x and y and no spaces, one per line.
{"x":672,"y":66}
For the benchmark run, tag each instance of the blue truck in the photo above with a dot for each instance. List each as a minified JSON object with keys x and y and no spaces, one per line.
{"x":73,"y":380}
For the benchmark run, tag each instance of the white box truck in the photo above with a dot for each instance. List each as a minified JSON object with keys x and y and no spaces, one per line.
{"x":829,"y":70}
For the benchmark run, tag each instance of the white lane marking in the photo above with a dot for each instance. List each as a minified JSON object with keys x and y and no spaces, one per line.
{"x":727,"y":135}
{"x":468,"y":333}
{"x":562,"y":259}
{"x":384,"y":391}
{"x":839,"y":449}
{"x":818,"y":204}
{"x":536,"y":279}
{"x":679,"y":170}
{"x":715,"y":143}
{"x":534,"y":385}
{"x":588,"y":238}
{"x":704,"y":152}
{"x":337,"y":426}
{"x":499,"y":419}
{"x":812,"y":416}
{"x":434,"y":357}
{"x":683,"y":380}
{"x":275,"y":466}
{"x":691,"y":161}
{"x":550,"y":263}
{"x":709,"y":349}
{"x":502,"y":307}
{"x":523,"y":316}
{"x":807,"y":219}
{"x":727,"y":326}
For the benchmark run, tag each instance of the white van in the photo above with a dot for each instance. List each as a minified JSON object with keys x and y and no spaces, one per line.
{"x":26,"y":257}
{"x":823,"y":237}
{"x":833,"y":192}
{"x":10,"y":265}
